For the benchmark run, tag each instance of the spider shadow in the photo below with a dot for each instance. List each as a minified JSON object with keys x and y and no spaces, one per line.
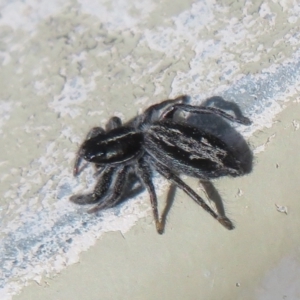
{"x":169,"y":203}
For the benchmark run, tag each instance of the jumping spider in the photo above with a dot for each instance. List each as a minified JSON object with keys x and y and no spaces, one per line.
{"x":155,"y":141}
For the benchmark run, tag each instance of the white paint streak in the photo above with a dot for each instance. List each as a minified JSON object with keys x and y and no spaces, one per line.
{"x":5,"y":110}
{"x":74,"y":93}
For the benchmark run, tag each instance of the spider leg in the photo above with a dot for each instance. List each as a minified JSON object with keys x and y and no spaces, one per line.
{"x":113,"y":123}
{"x":100,"y":190}
{"x":154,"y":112}
{"x":144,"y":173}
{"x":92,"y":133}
{"x":179,"y":183}
{"x":119,"y":182}
{"x":206,"y":110}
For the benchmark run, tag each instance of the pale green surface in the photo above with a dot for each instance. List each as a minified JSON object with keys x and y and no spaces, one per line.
{"x":196,"y":258}
{"x":73,"y":69}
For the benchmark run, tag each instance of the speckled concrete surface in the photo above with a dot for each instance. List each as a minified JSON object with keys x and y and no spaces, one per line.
{"x":69,"y":65}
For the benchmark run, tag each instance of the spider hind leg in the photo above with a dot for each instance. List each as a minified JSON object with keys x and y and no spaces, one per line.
{"x":164,"y":171}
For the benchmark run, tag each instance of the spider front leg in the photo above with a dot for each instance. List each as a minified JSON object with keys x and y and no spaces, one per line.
{"x":144,"y":173}
{"x":118,"y":182}
{"x":113,"y":123}
{"x":78,"y":159}
{"x":100,"y":190}
{"x":179,"y":183}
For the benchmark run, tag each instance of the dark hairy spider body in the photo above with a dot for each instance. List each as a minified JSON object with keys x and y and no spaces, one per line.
{"x":156,"y":141}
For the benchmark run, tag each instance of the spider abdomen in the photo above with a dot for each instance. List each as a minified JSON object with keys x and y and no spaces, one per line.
{"x":190,"y":150}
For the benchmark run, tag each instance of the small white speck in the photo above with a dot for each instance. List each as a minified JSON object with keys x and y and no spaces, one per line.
{"x":240,"y":193}
{"x":296,"y":124}
{"x":282,"y":209}
{"x":262,"y":147}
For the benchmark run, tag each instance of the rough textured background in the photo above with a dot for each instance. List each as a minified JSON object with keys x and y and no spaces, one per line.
{"x":69,"y":65}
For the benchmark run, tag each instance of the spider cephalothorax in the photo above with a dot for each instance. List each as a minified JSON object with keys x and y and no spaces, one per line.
{"x":156,"y":141}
